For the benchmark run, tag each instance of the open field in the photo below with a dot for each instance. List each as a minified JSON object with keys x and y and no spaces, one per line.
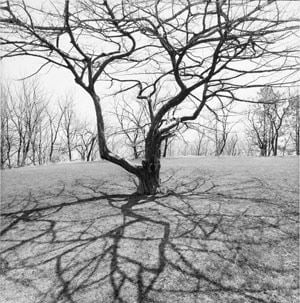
{"x":221,"y":230}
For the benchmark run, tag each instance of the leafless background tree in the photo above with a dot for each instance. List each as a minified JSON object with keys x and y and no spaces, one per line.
{"x":22,"y":114}
{"x":132,"y":123}
{"x":293,"y":124}
{"x":267,"y":119}
{"x":34,"y":131}
{"x":86,"y":139}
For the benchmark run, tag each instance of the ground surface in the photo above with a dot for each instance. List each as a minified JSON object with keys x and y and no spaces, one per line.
{"x":222,"y":230}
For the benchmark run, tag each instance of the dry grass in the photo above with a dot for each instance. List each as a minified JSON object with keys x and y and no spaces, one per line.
{"x":222,"y":230}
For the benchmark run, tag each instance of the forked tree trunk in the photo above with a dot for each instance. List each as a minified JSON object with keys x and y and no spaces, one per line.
{"x":148,"y":172}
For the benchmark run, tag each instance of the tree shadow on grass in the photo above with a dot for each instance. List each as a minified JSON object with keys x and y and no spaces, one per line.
{"x":196,"y":242}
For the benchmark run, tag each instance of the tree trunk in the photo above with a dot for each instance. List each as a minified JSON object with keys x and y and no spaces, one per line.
{"x":135,"y":152}
{"x":165,"y":148}
{"x":19,"y":152}
{"x":33,"y":147}
{"x":25,"y":154}
{"x":2,"y":157}
{"x":149,"y":181}
{"x":89,"y":154}
{"x":3,"y":152}
{"x":263,"y":149}
{"x":69,"y":151}
{"x":297,"y":141}
{"x":51,"y":152}
{"x":275,"y":149}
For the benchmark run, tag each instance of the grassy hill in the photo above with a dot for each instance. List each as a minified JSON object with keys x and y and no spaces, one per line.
{"x":222,"y":230}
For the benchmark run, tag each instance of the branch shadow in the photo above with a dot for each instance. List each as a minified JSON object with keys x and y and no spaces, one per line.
{"x":195,"y":242}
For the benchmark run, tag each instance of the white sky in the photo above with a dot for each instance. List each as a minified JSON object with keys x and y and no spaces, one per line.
{"x":56,"y":82}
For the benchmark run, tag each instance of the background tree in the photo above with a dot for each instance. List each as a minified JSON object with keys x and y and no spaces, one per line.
{"x":6,"y":135}
{"x":132,"y":124}
{"x":187,"y":54}
{"x":260,"y":129}
{"x":166,"y":145}
{"x":221,"y":130}
{"x":267,"y":119}
{"x":86,"y":139}
{"x":232,"y":148}
{"x":199,"y":145}
{"x":26,"y":111}
{"x":69,"y":127}
{"x":32,"y":132}
{"x":54,"y":117}
{"x":212,"y":133}
{"x":294,"y":121}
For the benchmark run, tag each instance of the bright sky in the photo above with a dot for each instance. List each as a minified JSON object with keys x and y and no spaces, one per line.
{"x":56,"y":82}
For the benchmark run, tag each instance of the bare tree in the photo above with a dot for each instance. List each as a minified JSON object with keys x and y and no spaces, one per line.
{"x":221,"y":130}
{"x":85,"y":141}
{"x":166,"y":145}
{"x":259,"y":130}
{"x":267,"y":120}
{"x":5,"y":142}
{"x":212,"y":133}
{"x":200,"y":141}
{"x":40,"y":141}
{"x":200,"y":144}
{"x":54,"y":118}
{"x":26,"y":108}
{"x":187,"y":53}
{"x":294,"y":121}
{"x":69,"y":127}
{"x":6,"y":134}
{"x":132,"y":124}
{"x":232,"y":148}
{"x":283,"y":147}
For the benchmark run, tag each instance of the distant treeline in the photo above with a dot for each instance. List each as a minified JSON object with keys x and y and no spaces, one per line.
{"x":35,"y":130}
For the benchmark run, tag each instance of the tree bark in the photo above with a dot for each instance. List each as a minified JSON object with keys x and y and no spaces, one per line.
{"x":149,"y":181}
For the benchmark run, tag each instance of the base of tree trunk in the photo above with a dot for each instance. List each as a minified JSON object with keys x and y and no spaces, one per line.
{"x":149,"y":181}
{"x":148,"y":186}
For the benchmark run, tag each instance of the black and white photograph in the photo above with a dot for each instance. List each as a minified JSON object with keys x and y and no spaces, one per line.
{"x":149,"y":151}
